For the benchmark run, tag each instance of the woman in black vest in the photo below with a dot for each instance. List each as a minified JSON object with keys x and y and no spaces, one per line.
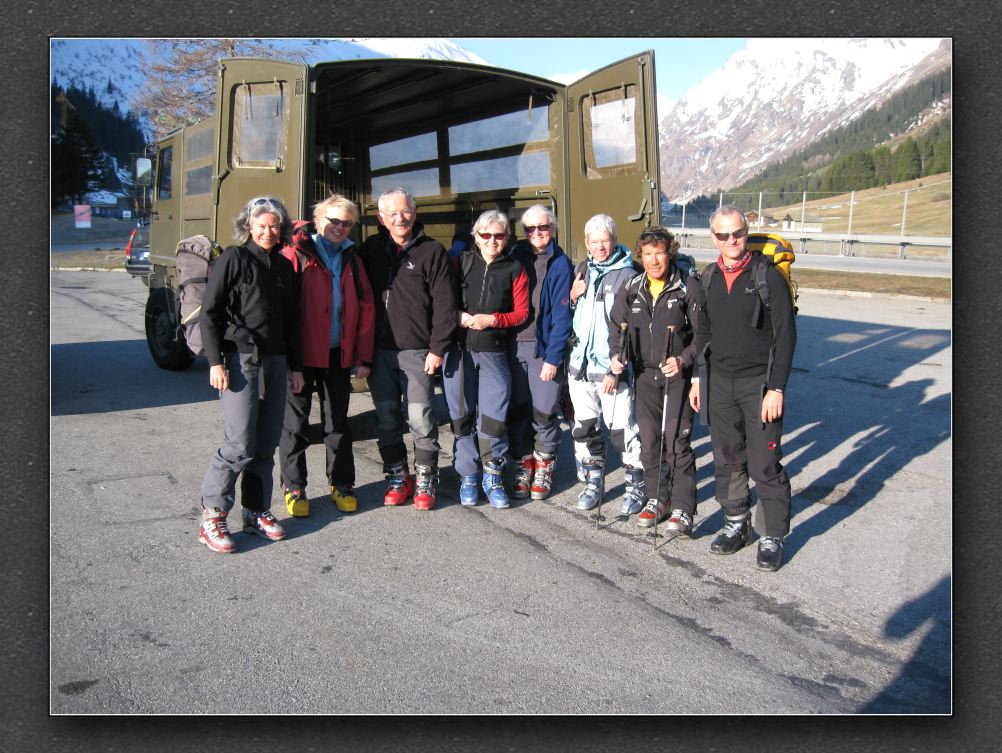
{"x":493,"y":299}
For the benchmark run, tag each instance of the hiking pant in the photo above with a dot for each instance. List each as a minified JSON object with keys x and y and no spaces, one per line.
{"x":398,"y":379}
{"x":534,"y":403}
{"x":253,"y":408}
{"x":669,"y":453}
{"x":477,"y":389}
{"x":743,"y":446}
{"x":333,"y":387}
{"x":592,"y":408}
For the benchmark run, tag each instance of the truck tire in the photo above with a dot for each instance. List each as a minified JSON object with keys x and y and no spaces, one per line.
{"x":164,"y":334}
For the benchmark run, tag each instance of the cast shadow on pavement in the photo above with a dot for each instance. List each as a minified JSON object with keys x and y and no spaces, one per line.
{"x":921,"y":687}
{"x":119,"y":375}
{"x":843,"y":390}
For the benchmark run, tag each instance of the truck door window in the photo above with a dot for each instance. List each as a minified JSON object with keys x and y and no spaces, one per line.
{"x":611,"y":125}
{"x":259,"y":115}
{"x":164,"y":159}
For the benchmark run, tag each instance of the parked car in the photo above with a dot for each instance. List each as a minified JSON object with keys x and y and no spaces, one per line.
{"x":137,"y":253}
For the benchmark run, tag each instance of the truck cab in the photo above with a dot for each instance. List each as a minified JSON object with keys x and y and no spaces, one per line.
{"x":460,"y":137}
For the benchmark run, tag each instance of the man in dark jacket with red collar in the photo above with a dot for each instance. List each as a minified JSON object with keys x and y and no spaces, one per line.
{"x":750,"y":355}
{"x":416,"y":321}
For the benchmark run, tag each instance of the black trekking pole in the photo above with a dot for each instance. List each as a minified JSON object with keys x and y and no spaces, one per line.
{"x":661,"y":445}
{"x":612,"y":417}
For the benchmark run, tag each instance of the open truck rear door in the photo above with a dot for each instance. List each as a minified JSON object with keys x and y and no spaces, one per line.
{"x":261,"y":107}
{"x":612,"y":141}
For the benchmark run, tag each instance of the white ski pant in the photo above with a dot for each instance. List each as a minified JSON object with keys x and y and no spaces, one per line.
{"x":598,"y":416}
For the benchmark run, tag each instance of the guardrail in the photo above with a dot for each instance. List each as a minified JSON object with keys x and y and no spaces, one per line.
{"x":846,"y":241}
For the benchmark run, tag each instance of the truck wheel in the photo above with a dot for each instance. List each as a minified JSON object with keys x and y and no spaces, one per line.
{"x":164,"y":336}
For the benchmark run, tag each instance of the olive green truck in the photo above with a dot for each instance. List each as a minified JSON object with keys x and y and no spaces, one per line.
{"x":461,"y":138}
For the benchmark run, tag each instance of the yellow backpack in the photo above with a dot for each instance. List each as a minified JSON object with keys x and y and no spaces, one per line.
{"x":779,"y":251}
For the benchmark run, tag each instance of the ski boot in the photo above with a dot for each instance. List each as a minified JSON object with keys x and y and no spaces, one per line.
{"x":594,"y":472}
{"x":493,"y":483}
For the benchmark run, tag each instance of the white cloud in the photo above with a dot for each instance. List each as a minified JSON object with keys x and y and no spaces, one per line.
{"x":665,"y":106}
{"x":567,"y":78}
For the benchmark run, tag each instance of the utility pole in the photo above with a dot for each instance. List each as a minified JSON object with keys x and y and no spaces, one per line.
{"x":903,"y":254}
{"x":848,"y":232}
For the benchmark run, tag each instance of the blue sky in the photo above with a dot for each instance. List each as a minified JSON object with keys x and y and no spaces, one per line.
{"x":680,"y":63}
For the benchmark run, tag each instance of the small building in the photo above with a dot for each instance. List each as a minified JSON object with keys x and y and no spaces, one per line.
{"x":811,"y":224}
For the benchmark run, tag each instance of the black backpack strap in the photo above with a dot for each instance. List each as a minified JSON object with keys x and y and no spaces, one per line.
{"x":582,"y":269}
{"x":759,"y":286}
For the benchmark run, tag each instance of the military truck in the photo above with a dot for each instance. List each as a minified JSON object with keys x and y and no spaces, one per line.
{"x":460,"y":137}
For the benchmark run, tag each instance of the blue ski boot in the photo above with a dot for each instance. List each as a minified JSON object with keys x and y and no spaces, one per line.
{"x":469,"y":490}
{"x":494,"y":484}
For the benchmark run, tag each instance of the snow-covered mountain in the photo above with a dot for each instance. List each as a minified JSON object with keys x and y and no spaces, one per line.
{"x":114,"y":66}
{"x":777,"y":96}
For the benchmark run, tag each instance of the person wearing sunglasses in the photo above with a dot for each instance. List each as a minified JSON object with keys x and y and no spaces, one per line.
{"x":493,"y":298}
{"x":658,"y":309}
{"x":412,"y":281}
{"x":748,"y":364}
{"x":251,"y":337}
{"x":537,"y":355}
{"x":338,"y":317}
{"x":599,"y":396}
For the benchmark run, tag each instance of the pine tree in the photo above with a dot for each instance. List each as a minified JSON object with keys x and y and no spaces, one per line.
{"x":76,"y":163}
{"x":907,"y":161}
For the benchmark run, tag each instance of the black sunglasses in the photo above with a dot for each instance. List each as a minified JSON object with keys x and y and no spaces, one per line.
{"x":738,"y":235}
{"x":338,"y":223}
{"x":530,"y":229}
{"x":495,"y":236}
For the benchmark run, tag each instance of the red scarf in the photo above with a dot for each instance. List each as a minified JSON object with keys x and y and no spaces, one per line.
{"x":732,"y":272}
{"x":736,"y":266}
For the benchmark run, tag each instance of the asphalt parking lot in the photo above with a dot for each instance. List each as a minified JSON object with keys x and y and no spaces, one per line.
{"x":535,"y":609}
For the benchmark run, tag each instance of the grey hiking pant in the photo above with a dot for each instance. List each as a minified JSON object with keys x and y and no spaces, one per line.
{"x":253,"y":409}
{"x":477,"y":387}
{"x":397,"y":379}
{"x":534,"y":403}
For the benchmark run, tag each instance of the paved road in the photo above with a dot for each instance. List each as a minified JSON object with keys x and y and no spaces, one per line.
{"x":531,"y":609}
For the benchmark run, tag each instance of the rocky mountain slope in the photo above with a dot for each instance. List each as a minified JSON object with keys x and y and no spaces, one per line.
{"x":778,"y":95}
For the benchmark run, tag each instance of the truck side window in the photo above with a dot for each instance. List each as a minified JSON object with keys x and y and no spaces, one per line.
{"x":404,"y":162}
{"x":611,"y":131}
{"x":198,"y":152}
{"x":164,"y":160}
{"x":524,"y":134}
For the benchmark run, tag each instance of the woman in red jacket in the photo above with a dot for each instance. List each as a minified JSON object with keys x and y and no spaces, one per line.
{"x":338,"y":326}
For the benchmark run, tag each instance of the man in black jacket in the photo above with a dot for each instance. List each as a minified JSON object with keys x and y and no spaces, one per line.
{"x":416,"y":321}
{"x":750,"y":354}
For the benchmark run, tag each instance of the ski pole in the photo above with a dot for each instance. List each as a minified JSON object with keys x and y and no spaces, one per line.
{"x":664,"y":415}
{"x":612,"y":415}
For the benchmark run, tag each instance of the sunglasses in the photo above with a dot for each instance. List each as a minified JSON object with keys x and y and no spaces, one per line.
{"x":530,"y":229}
{"x":738,"y":235}
{"x":259,"y":202}
{"x":655,"y":235}
{"x":495,"y":236}
{"x":338,"y":223}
